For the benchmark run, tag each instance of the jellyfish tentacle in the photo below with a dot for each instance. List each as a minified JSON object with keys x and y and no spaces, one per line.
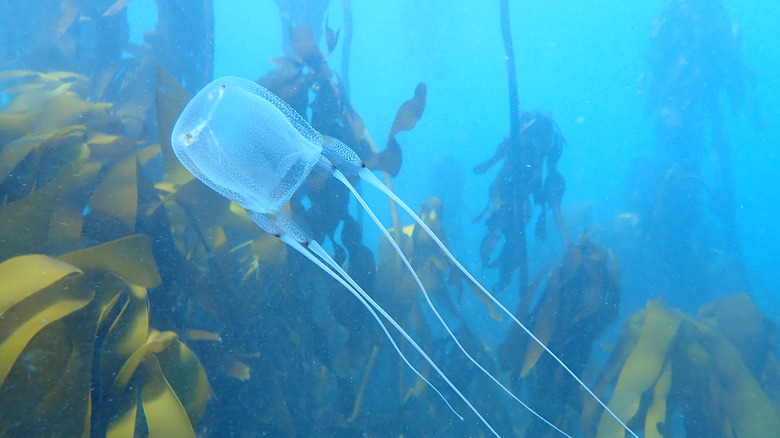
{"x":369,"y":177}
{"x":308,"y":251}
{"x":411,"y":270}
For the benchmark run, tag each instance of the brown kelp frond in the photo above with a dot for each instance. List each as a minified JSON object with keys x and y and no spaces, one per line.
{"x":528,"y":177}
{"x":580,"y":300}
{"x":716,"y":371}
{"x":54,"y":314}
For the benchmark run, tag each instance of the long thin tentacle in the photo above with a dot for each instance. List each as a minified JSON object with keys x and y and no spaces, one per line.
{"x":369,"y":177}
{"x":405,"y":260}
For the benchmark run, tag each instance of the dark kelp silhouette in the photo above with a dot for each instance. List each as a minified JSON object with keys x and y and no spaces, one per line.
{"x":530,"y":154}
{"x":694,"y":59}
{"x":581,"y":299}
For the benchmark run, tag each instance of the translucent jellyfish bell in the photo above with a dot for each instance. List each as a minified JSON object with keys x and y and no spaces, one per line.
{"x":226,"y":138}
{"x":251,"y":147}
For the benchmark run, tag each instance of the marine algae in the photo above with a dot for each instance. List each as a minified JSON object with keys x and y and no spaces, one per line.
{"x":670,"y":363}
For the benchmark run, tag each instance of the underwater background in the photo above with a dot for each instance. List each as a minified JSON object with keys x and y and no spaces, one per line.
{"x":624,"y":208}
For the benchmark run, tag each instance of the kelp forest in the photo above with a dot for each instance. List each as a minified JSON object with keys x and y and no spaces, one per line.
{"x":136,"y":301}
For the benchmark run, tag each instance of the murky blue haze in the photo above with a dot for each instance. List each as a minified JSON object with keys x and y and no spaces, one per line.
{"x":632,"y":187}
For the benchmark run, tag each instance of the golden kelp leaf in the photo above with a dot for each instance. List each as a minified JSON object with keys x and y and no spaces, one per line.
{"x":171,"y":100}
{"x":410,"y":111}
{"x":49,"y":79}
{"x":116,"y":196}
{"x":656,"y":414}
{"x":625,"y":345}
{"x":129,"y":258}
{"x":165,"y":415}
{"x":22,"y":276}
{"x":202,"y":335}
{"x":106,"y":147}
{"x":116,"y":8}
{"x":13,"y":126}
{"x":642,"y":367}
{"x":13,"y":153}
{"x":235,"y":368}
{"x":24,"y":223}
{"x":9,"y":75}
{"x":545,"y":321}
{"x":187,"y":378}
{"x":494,"y":312}
{"x":35,"y":371}
{"x":155,"y":343}
{"x":68,"y":13}
{"x":207,"y":209}
{"x":147,"y":153}
{"x":128,"y":332}
{"x":24,"y":320}
{"x":749,"y":410}
{"x":743,"y":324}
{"x":66,"y":110}
{"x":215,"y":238}
{"x":124,"y":425}
{"x":69,"y":402}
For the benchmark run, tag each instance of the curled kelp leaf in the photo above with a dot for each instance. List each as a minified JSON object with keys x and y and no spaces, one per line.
{"x":410,"y":111}
{"x":579,"y":302}
{"x":331,"y":37}
{"x":671,"y":362}
{"x":390,"y":159}
{"x":61,"y":307}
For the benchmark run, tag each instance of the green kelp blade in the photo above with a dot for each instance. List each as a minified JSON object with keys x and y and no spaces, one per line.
{"x":24,"y":320}
{"x":165,"y":415}
{"x":129,"y":258}
{"x":642,"y":368}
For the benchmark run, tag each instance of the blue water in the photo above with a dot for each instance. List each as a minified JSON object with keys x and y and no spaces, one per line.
{"x":584,"y":64}
{"x":580,"y":62}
